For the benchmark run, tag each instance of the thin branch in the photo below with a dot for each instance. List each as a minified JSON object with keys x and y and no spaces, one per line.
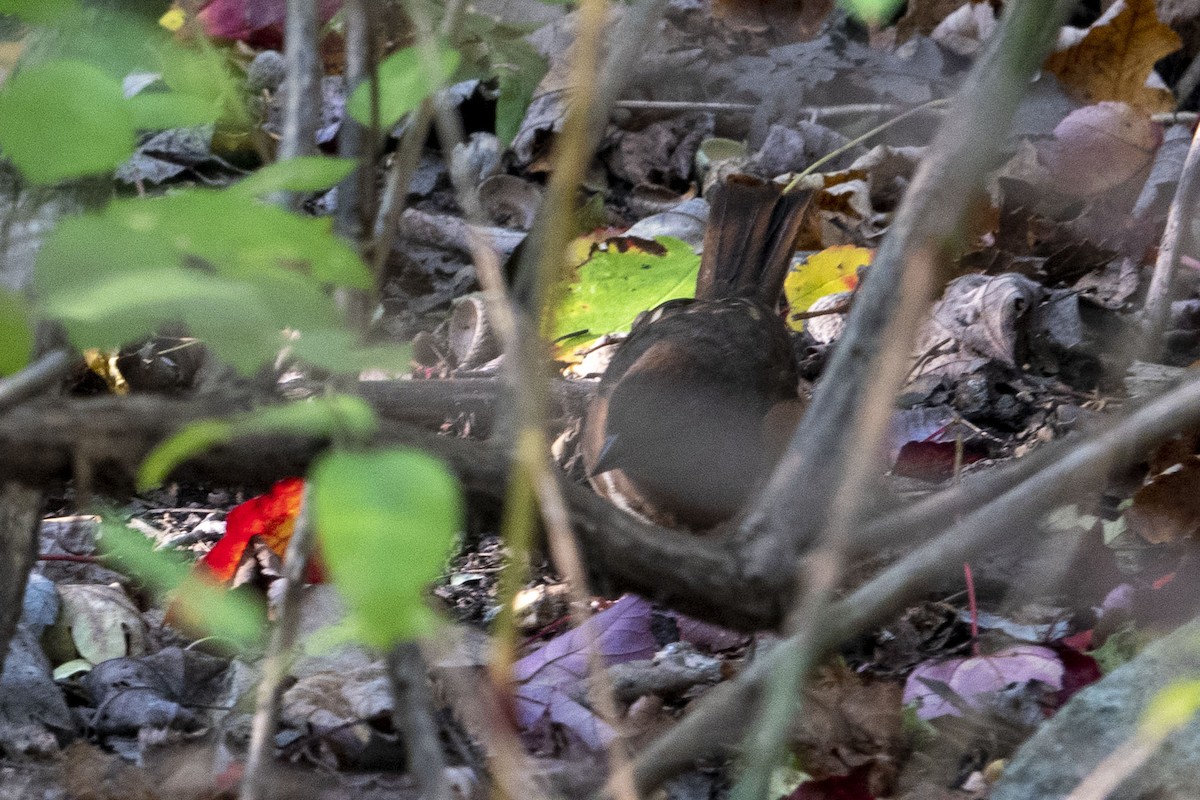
{"x":36,"y":378}
{"x":1011,"y":519}
{"x":784,"y":522}
{"x":302,"y":108}
{"x":822,"y":572}
{"x":257,"y":777}
{"x":414,"y":719}
{"x":1176,"y":237}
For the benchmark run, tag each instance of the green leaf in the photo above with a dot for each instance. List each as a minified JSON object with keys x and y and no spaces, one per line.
{"x":338,"y":415}
{"x":115,"y":277}
{"x":1171,"y":709}
{"x":191,"y":441}
{"x":338,"y":351}
{"x":614,"y":287}
{"x":520,"y":70}
{"x":155,"y":111}
{"x":65,"y":119}
{"x":226,"y":315}
{"x":204,"y":75}
{"x":386,"y":522}
{"x":342,"y":416}
{"x":302,"y":174}
{"x":16,"y":333}
{"x":872,"y":11}
{"x":205,"y":606}
{"x":403,"y":84}
{"x":239,"y":236}
{"x":40,"y":11}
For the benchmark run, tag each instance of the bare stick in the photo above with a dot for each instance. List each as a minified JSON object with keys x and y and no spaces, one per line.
{"x":34,"y":379}
{"x":302,"y":109}
{"x":20,"y":512}
{"x":414,"y":719}
{"x":784,"y":521}
{"x":1012,"y":518}
{"x":256,"y":780}
{"x":822,"y":571}
{"x":1176,"y":236}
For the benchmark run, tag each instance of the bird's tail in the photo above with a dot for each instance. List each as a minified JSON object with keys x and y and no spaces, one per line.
{"x":749,"y":241}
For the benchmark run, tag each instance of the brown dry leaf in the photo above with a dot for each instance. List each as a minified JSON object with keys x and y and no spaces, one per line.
{"x":798,"y":20}
{"x":1168,"y":507}
{"x":1116,"y":56}
{"x":923,"y":16}
{"x":850,"y":721}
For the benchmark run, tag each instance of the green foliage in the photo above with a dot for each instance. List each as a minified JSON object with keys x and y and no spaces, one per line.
{"x":404,"y":82}
{"x":340,"y":417}
{"x":1171,"y":709}
{"x":337,"y":351}
{"x":494,"y":49}
{"x":303,"y":174}
{"x":613,"y":287}
{"x":40,"y":11}
{"x":235,"y":270}
{"x":65,"y":119}
{"x":204,"y":605}
{"x":64,"y":114}
{"x":1121,"y":647}
{"x":873,"y":11}
{"x":386,"y":522}
{"x":16,"y":333}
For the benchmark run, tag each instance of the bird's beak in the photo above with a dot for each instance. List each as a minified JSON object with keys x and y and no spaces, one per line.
{"x":610,"y":454}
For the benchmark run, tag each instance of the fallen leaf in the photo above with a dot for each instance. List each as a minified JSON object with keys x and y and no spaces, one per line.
{"x":975,"y":679}
{"x":833,"y":270}
{"x":1116,"y":56}
{"x":549,"y":678}
{"x":270,"y":516}
{"x":622,"y":278}
{"x":256,"y":22}
{"x":1168,"y":507}
{"x":1117,"y":135}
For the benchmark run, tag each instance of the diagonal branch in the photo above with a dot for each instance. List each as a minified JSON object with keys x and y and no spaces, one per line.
{"x":796,"y":504}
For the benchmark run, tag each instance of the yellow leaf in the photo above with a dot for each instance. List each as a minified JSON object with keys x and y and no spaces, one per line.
{"x":104,"y":364}
{"x":173,"y":20}
{"x":834,"y":269}
{"x":1116,"y":56}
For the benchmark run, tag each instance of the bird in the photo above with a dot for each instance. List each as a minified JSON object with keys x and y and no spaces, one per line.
{"x":698,"y":402}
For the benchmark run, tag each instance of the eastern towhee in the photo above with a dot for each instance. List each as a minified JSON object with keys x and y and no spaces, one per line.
{"x":699,"y":401}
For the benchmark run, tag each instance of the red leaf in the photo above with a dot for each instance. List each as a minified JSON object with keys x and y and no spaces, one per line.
{"x":256,"y":22}
{"x":271,"y":516}
{"x":853,"y":786}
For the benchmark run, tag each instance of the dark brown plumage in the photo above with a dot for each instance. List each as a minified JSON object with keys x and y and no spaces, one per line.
{"x":697,"y":402}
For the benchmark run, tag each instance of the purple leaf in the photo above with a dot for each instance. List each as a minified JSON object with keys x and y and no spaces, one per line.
{"x":551,"y":678}
{"x":974,"y":679}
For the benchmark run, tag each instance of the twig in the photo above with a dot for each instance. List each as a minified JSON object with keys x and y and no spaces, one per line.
{"x":256,"y":779}
{"x":20,"y":510}
{"x":1176,"y":236}
{"x":822,"y":571}
{"x":34,"y":379}
{"x":354,"y":195}
{"x":857,"y":140}
{"x":302,"y":108}
{"x":1119,"y":765}
{"x":413,"y":716}
{"x":1187,"y":82}
{"x":1175,"y":117}
{"x":746,"y":109}
{"x":1010,"y":519}
{"x":783,"y":522}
